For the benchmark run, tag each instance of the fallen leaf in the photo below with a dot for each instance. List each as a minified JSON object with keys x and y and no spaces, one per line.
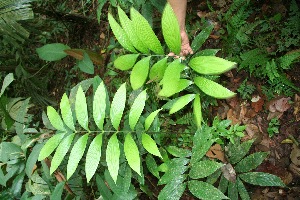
{"x":216,"y":151}
{"x":296,"y":170}
{"x":297,"y":107}
{"x":295,"y":155}
{"x":257,"y":103}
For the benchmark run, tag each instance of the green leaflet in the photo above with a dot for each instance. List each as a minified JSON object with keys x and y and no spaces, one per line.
{"x":6,"y":82}
{"x":170,"y":29}
{"x":179,"y":152}
{"x":262,"y":179}
{"x":127,"y":25}
{"x":173,"y":190}
{"x":136,"y":109}
{"x":112,"y":156}
{"x":102,"y":188}
{"x":117,"y":106}
{"x":99,"y":106}
{"x":211,"y":65}
{"x":120,"y":34}
{"x":233,"y":191}
{"x":55,"y":119}
{"x":237,"y":152}
{"x":204,"y":168}
{"x":201,"y":37}
{"x":251,"y":162}
{"x":139,"y":73}
{"x":150,"y":145}
{"x":76,"y":154}
{"x":81,"y":109}
{"x":204,"y":190}
{"x":212,"y":88}
{"x":197,"y":110}
{"x":52,"y":52}
{"x":66,"y":112}
{"x":61,"y":152}
{"x":158,"y":69}
{"x":152,"y":166}
{"x":93,"y":157}
{"x":125,"y":62}
{"x":57,"y":192}
{"x":223,"y":184}
{"x":172,"y":72}
{"x":242,"y":190}
{"x":50,"y":145}
{"x":144,"y":32}
{"x":150,"y":119}
{"x":32,"y":158}
{"x":132,"y":154}
{"x":181,"y":102}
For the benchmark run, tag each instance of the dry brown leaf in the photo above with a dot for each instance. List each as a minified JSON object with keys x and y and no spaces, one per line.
{"x":279,"y":105}
{"x":231,"y":115}
{"x":295,"y":155}
{"x":216,"y":151}
{"x":296,"y":170}
{"x":257,"y":103}
{"x":297,"y":107}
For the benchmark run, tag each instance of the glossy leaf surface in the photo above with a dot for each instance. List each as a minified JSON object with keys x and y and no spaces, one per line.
{"x":66,"y":112}
{"x":112,"y":156}
{"x":81,"y":109}
{"x":117,"y":106}
{"x":132,"y":153}
{"x":99,"y":105}
{"x":125,"y":62}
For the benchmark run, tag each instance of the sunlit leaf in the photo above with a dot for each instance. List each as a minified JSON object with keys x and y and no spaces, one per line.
{"x":125,"y":62}
{"x":50,"y":145}
{"x":158,"y":69}
{"x":181,"y":102}
{"x":117,"y":106}
{"x":139,"y":73}
{"x":137,"y":109}
{"x":55,"y":119}
{"x":132,"y":154}
{"x":66,"y":112}
{"x":81,"y":109}
{"x":197,"y":110}
{"x":150,"y":119}
{"x":150,"y":145}
{"x":203,"y":190}
{"x":99,"y":105}
{"x":112,"y":156}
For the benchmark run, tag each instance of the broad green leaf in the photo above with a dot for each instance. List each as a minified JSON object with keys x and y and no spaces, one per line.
{"x":81,"y":109}
{"x":32,"y":158}
{"x":120,"y":34}
{"x":93,"y":157}
{"x":112,"y":156}
{"x":179,"y":152}
{"x":262,"y":179}
{"x":132,"y":154}
{"x":117,"y":106}
{"x":2,"y":178}
{"x":52,"y":52}
{"x":237,"y":152}
{"x":172,"y":72}
{"x":181,"y":102}
{"x":9,"y":151}
{"x":173,"y":190}
{"x":223,"y":184}
{"x":17,"y":184}
{"x":251,"y":162}
{"x":86,"y":64}
{"x":197,"y":110}
{"x":50,"y":145}
{"x":158,"y":69}
{"x":66,"y":112}
{"x":201,"y":38}
{"x":212,"y":179}
{"x":125,"y":62}
{"x":99,"y":105}
{"x":233,"y":191}
{"x":127,"y":25}
{"x":211,"y":65}
{"x":137,"y":109}
{"x":150,"y":119}
{"x":213,"y":89}
{"x":6,"y":82}
{"x":242,"y":190}
{"x":55,"y":119}
{"x":76,"y":154}
{"x":102,"y":188}
{"x":150,"y":145}
{"x":170,"y":29}
{"x":204,"y":190}
{"x":57,"y":192}
{"x":204,"y":168}
{"x":152,"y":166}
{"x":139,"y":73}
{"x":144,"y":32}
{"x":61,"y":152}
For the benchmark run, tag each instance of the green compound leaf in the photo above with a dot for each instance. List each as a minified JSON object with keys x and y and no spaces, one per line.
{"x":132,"y":154}
{"x":112,"y":156}
{"x":61,"y":152}
{"x":211,"y":65}
{"x":213,"y":89}
{"x":204,"y":190}
{"x":50,"y":145}
{"x":197,"y":110}
{"x":201,"y":38}
{"x":173,"y":190}
{"x":120,"y":34}
{"x":66,"y":112}
{"x":81,"y":109}
{"x":181,"y":102}
{"x":145,"y":33}
{"x":55,"y":119}
{"x":170,"y":29}
{"x":158,"y":69}
{"x":127,"y":25}
{"x":150,"y":145}
{"x":242,"y":190}
{"x":152,"y":166}
{"x":251,"y":162}
{"x":136,"y":109}
{"x":237,"y":152}
{"x":125,"y":62}
{"x":76,"y":154}
{"x":179,"y":152}
{"x":86,"y":64}
{"x":150,"y":119}
{"x":204,"y":168}
{"x":52,"y":52}
{"x":57,"y":192}
{"x":262,"y":179}
{"x":117,"y":106}
{"x":99,"y":106}
{"x":93,"y":157}
{"x":139,"y":73}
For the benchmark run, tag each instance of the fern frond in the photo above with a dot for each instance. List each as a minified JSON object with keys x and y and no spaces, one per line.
{"x":185,"y":119}
{"x":286,"y":60}
{"x":253,"y":59}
